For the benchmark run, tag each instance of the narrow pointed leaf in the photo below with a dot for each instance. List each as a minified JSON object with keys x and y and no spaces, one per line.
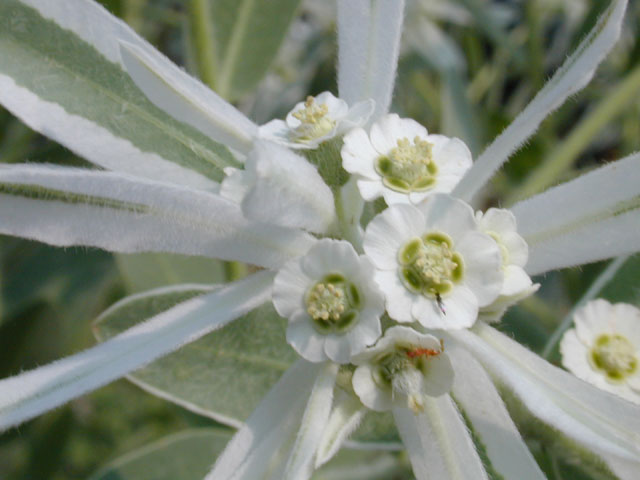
{"x":300,"y":464}
{"x":187,"y":100}
{"x":571,"y":77}
{"x":61,"y":75}
{"x":438,"y":442}
{"x":37,"y":391}
{"x":66,"y":206}
{"x":368,"y":46}
{"x":269,"y":427}
{"x":597,"y":419}
{"x":477,"y":396}
{"x":593,"y":217}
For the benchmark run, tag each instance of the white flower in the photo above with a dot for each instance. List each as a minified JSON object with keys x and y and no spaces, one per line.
{"x":401,"y":369}
{"x":400,"y":161}
{"x":433,"y":264}
{"x":332,"y":303}
{"x":316,"y":120}
{"x":604,"y":347}
{"x":500,"y":224}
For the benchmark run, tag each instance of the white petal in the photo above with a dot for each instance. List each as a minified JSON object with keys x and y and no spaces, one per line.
{"x":92,"y":141}
{"x":570,"y":78}
{"x":558,"y":223}
{"x":289,"y":289}
{"x":438,"y":442}
{"x":590,"y":416}
{"x":272,"y":423}
{"x":186,"y":99}
{"x":331,"y":256}
{"x":370,"y":190}
{"x":460,"y":305}
{"x":482,"y":266}
{"x":34,"y":392}
{"x":575,"y":359}
{"x":337,"y":348}
{"x":386,"y":132}
{"x":368,"y":46}
{"x":67,"y":206}
{"x":389,"y":231}
{"x":399,"y":300}
{"x":305,"y":339}
{"x":316,"y":415}
{"x":368,"y":391}
{"x":345,"y":418}
{"x":358,"y":155}
{"x":447,"y":214}
{"x":516,"y":281}
{"x":288,"y":190}
{"x":451,"y":155}
{"x":484,"y":408}
{"x":592,"y":320}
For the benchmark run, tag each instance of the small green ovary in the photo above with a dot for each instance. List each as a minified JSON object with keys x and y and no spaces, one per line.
{"x":333,"y":304}
{"x":429,"y":265}
{"x":409,"y":167}
{"x":614,"y":356}
{"x":315,"y":121}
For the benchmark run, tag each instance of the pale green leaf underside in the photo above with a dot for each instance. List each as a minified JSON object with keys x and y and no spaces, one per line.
{"x":60,"y":68}
{"x":248,"y":35}
{"x":188,"y":455}
{"x":225,"y":374}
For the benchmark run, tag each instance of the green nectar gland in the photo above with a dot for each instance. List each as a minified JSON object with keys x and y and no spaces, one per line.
{"x":430,"y":266}
{"x":314,"y":121}
{"x":614,"y":356}
{"x":409,"y":167}
{"x":333,"y":304}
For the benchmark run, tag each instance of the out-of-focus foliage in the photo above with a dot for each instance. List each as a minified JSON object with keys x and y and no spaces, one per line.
{"x":467,"y":68}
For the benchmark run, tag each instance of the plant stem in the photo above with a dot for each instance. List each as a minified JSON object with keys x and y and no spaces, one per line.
{"x":562,"y":158}
{"x":203,"y":39}
{"x":595,"y":288}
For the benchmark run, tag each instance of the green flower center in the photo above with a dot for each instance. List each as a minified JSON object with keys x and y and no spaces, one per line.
{"x":333,"y":304}
{"x":615,"y":356}
{"x":314,"y":120}
{"x":429,"y":265}
{"x":409,"y":167}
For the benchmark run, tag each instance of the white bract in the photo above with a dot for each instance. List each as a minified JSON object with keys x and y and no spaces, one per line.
{"x":401,"y":162}
{"x":316,"y":120}
{"x":183,"y":171}
{"x":434,"y":266}
{"x":401,"y":370}
{"x":332,"y":303}
{"x":604,"y":347}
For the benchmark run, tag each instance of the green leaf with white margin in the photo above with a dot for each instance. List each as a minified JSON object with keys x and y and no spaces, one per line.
{"x":188,"y":455}
{"x":248,"y":34}
{"x":78,"y":94}
{"x":145,"y":271}
{"x":223,"y":375}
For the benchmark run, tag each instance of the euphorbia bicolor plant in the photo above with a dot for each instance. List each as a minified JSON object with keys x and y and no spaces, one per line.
{"x":388,"y":315}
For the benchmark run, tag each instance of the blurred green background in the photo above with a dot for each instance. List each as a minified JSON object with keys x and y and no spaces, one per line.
{"x":467,"y":68}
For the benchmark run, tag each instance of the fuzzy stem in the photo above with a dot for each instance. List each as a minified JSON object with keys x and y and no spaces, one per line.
{"x":203,"y":38}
